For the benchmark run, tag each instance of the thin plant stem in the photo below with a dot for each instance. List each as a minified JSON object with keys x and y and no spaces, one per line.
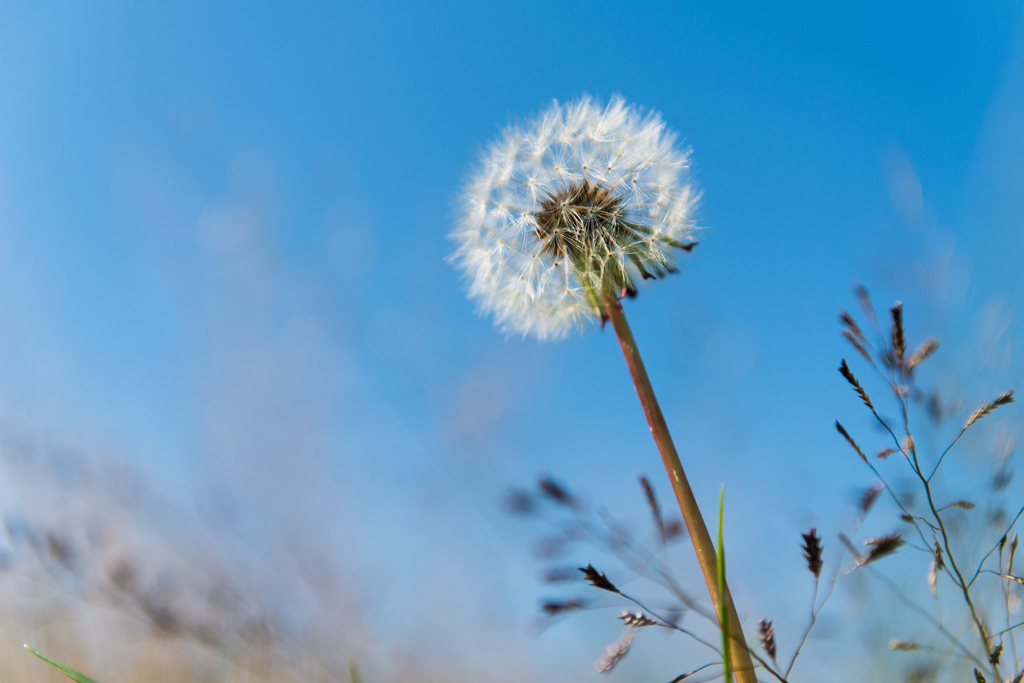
{"x":1008,"y":629}
{"x":951,"y":568}
{"x":666,"y":623}
{"x":995,"y":547}
{"x":1013,"y":636}
{"x":1005,"y":584}
{"x":663,"y":575}
{"x":743,"y":666}
{"x":891,"y":585}
{"x":642,"y":563}
{"x":810,"y":627}
{"x":948,"y":449}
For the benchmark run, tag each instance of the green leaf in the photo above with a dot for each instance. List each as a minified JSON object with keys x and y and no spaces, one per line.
{"x":726,"y":640}
{"x":70,"y":673}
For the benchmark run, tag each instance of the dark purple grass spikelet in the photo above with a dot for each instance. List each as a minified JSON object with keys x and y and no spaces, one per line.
{"x":857,"y":345}
{"x":899,"y":340}
{"x":766,"y":634}
{"x":812,"y":551}
{"x":598,"y":579}
{"x":851,"y":325}
{"x":865,"y":301}
{"x":868,"y":498}
{"x":555,"y":491}
{"x":519,"y":502}
{"x":882,"y":546}
{"x":652,"y":503}
{"x":559,"y":575}
{"x":844,"y":369}
{"x":553,"y":608}
{"x":846,"y":435}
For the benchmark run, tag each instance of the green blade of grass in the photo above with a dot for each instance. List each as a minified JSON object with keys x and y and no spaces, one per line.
{"x":726,"y":640}
{"x":67,"y":671}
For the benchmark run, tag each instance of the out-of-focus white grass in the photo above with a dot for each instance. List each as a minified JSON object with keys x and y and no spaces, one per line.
{"x":100,"y":574}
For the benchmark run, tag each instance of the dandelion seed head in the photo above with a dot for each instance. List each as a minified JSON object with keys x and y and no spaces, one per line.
{"x":585,"y":200}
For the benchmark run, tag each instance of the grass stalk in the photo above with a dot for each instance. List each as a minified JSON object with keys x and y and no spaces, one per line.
{"x":726,"y":646}
{"x":66,"y":670}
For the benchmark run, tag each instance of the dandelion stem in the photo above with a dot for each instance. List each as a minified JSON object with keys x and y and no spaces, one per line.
{"x":742,"y":664}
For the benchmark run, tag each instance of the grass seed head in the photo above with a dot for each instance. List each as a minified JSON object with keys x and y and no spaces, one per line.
{"x":766,"y":636}
{"x":812,"y":551}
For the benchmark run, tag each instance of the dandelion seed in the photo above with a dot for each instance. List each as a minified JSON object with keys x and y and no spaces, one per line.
{"x":584,"y":201}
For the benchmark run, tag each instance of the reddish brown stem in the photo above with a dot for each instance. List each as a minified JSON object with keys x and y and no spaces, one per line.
{"x":742,"y":664}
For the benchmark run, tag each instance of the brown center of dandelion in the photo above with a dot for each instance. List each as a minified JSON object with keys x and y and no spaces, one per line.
{"x":589,"y":226}
{"x":572,"y":222}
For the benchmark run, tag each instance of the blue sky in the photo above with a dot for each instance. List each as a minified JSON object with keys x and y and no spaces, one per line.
{"x":222,"y":241}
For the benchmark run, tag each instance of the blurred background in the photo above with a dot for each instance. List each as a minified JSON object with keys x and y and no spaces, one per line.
{"x":249,"y":421}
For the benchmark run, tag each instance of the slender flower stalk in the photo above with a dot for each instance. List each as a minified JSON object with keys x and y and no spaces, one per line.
{"x":742,"y":664}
